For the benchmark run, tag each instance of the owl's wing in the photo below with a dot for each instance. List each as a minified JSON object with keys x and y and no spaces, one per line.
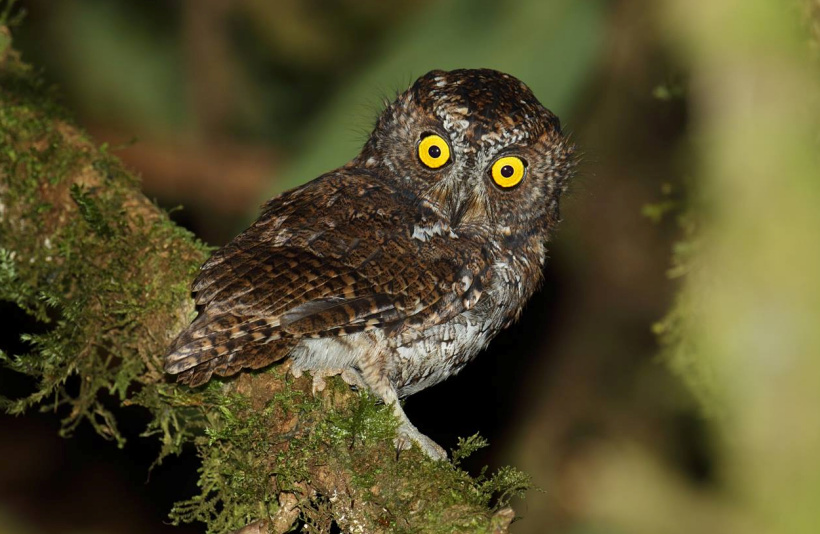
{"x":332,"y":258}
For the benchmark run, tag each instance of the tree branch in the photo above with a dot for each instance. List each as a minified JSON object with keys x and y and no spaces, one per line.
{"x":106,"y":274}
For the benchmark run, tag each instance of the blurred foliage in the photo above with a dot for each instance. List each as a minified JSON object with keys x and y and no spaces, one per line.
{"x":754,"y":297}
{"x":309,"y":79}
{"x":135,"y":61}
{"x":743,"y":330}
{"x":551,"y":46}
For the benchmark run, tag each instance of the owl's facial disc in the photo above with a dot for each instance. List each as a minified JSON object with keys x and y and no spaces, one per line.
{"x":477,"y":148}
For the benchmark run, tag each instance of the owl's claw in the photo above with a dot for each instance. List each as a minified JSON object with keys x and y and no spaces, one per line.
{"x":318,"y":383}
{"x":350,"y":377}
{"x":407,"y":434}
{"x":318,"y":377}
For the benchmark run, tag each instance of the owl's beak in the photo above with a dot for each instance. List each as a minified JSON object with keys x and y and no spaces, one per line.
{"x":459,"y":203}
{"x":468,"y":208}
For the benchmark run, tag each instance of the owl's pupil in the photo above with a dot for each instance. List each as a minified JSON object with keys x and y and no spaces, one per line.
{"x":434,"y":151}
{"x":507,"y":171}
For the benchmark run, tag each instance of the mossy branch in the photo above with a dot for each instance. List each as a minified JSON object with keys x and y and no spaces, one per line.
{"x":106,"y":275}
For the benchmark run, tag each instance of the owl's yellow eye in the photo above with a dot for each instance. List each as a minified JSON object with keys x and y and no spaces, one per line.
{"x":508,"y":171}
{"x":434,"y":151}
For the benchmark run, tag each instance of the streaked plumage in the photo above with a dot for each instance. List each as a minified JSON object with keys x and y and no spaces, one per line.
{"x":388,"y":270}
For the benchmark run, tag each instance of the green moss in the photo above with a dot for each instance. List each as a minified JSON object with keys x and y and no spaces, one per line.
{"x":90,"y":211}
{"x":254,"y":450}
{"x":77,"y":259}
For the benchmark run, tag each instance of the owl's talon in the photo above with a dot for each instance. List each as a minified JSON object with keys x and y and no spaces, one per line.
{"x":318,"y":384}
{"x":318,"y":376}
{"x":407,"y":434}
{"x":353,"y":379}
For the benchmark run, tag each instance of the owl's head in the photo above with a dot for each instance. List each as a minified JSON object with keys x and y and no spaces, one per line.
{"x":478,"y":150}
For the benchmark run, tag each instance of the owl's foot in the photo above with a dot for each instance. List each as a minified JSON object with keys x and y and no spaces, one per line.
{"x":372,"y":376}
{"x":407,"y":434}
{"x":319,"y":375}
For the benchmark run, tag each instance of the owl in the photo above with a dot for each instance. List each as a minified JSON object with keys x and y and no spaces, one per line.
{"x":398,"y":268}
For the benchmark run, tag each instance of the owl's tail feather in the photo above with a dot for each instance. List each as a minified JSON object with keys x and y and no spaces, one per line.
{"x":197,"y":354}
{"x":254,"y":356}
{"x":226,"y":330}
